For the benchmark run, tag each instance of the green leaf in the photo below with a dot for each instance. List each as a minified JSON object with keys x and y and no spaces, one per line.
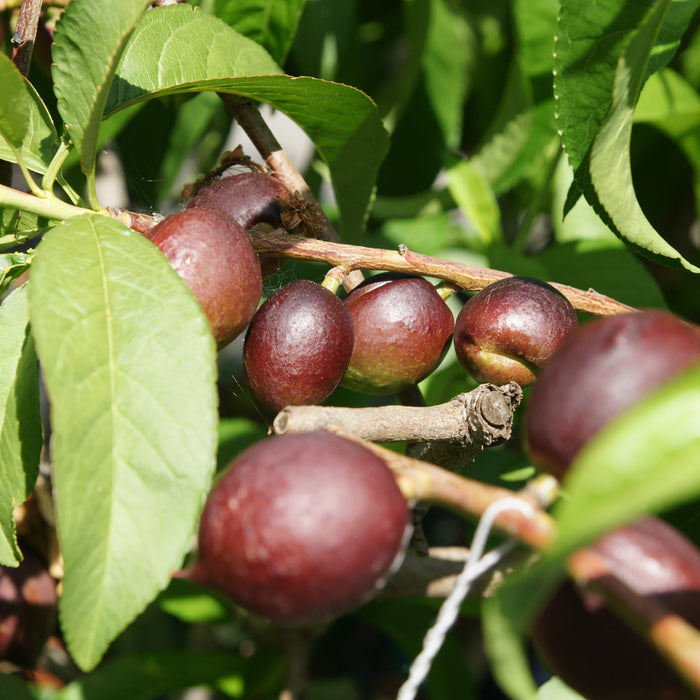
{"x":270,"y":23}
{"x":424,"y":103}
{"x":642,"y":462}
{"x":672,"y":105}
{"x":177,"y":49}
{"x":14,"y":104}
{"x":88,"y":42}
{"x":503,"y":645}
{"x":192,"y":124}
{"x":604,"y":54}
{"x":12,"y":686}
{"x":610,"y":167}
{"x":12,"y":267}
{"x":167,"y":57}
{"x":524,"y":131}
{"x":590,"y":39}
{"x":448,"y":59}
{"x":20,"y":421}
{"x":17,"y":227}
{"x":474,"y":196}
{"x":40,"y":139}
{"x":194,"y":604}
{"x":148,"y":676}
{"x":129,"y":365}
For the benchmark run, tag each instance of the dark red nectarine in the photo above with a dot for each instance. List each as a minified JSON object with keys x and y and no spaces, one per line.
{"x":302,"y":528}
{"x":509,"y":330}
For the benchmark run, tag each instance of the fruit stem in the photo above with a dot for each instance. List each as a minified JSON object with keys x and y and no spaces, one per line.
{"x":468,"y":277}
{"x":334,"y":278}
{"x":446,"y":289}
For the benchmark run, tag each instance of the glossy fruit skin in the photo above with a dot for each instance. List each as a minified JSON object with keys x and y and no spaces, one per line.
{"x":28,"y":602}
{"x":250,"y":198}
{"x":402,"y":331}
{"x":601,"y":369}
{"x":216,"y":260}
{"x":298,"y":346}
{"x":301,"y":528}
{"x":595,"y":652}
{"x":509,"y":330}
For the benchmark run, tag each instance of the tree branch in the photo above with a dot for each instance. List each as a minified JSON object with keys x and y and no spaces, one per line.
{"x":480,"y":417}
{"x":433,"y":576}
{"x":467,"y":277}
{"x":25,"y":34}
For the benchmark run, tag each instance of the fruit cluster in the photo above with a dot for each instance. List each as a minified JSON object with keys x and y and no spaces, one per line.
{"x":301,"y":528}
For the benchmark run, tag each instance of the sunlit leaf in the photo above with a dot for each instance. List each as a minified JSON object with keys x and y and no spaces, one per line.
{"x":20,"y":422}
{"x":474,"y":196}
{"x":88,"y":42}
{"x":14,"y":105}
{"x":523,"y":136}
{"x":178,"y":50}
{"x":604,"y":54}
{"x":129,"y":364}
{"x":270,"y":23}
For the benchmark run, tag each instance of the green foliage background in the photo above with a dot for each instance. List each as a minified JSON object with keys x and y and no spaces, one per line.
{"x":555,"y":139}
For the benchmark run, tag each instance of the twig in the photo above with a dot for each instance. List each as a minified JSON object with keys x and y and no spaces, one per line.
{"x":474,"y":419}
{"x":467,"y":277}
{"x":25,"y":34}
{"x":433,"y":576}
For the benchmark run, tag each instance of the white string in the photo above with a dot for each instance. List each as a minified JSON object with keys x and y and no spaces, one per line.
{"x":473,"y":568}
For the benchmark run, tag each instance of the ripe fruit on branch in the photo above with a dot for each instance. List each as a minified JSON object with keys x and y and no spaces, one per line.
{"x":601,"y":369}
{"x":402,"y":331}
{"x":27,"y":610}
{"x":216,"y":260}
{"x":298,"y":346}
{"x":509,"y":330}
{"x":302,"y":528}
{"x":593,"y":650}
{"x":250,"y":198}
